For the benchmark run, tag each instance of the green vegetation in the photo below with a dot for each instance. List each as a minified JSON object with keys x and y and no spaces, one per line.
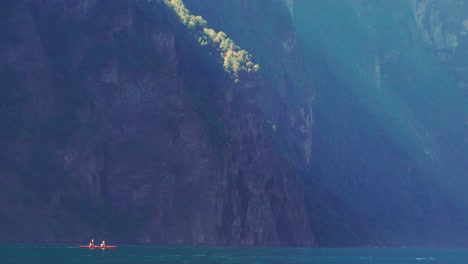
{"x":264,"y":28}
{"x":187,"y":19}
{"x":234,"y":59}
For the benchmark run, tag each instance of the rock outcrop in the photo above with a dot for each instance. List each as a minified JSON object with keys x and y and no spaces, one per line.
{"x":114,"y":147}
{"x":444,"y":25}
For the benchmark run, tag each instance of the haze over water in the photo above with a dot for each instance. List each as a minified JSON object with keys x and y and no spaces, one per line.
{"x":38,"y":253}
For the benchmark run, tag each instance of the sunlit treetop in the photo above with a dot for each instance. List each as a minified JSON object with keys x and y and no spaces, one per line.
{"x":233,"y":58}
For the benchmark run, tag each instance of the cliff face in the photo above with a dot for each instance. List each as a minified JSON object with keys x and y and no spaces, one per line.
{"x":234,"y":122}
{"x":445,"y":28}
{"x":107,"y":139}
{"x":389,"y":144}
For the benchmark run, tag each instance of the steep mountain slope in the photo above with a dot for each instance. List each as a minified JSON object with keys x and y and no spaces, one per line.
{"x":118,"y":124}
{"x":235,"y":122}
{"x":390,"y":135}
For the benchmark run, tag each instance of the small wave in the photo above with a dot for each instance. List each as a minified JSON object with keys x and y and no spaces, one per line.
{"x":424,"y":258}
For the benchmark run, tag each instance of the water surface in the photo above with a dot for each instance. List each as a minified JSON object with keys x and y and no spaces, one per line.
{"x":37,"y":253}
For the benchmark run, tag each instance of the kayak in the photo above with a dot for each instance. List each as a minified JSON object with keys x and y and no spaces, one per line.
{"x":104,"y":247}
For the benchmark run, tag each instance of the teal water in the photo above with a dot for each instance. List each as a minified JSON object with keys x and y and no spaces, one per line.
{"x":20,"y":253}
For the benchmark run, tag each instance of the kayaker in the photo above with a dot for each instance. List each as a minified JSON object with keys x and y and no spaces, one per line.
{"x":91,"y":244}
{"x":103,"y":244}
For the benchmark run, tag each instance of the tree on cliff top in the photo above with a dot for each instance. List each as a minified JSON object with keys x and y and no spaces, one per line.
{"x":233,"y":58}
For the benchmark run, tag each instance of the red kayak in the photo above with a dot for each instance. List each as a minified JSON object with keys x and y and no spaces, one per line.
{"x":104,"y":247}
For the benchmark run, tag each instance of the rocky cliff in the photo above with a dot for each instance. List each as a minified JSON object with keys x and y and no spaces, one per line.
{"x":113,"y":127}
{"x":444,"y":25}
{"x":389,"y":145}
{"x":236,"y":122}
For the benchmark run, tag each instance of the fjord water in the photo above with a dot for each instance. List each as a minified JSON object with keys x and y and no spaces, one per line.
{"x":36,"y":253}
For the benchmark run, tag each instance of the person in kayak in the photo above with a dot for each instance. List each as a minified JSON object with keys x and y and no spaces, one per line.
{"x":91,"y":244}
{"x":103,"y":244}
